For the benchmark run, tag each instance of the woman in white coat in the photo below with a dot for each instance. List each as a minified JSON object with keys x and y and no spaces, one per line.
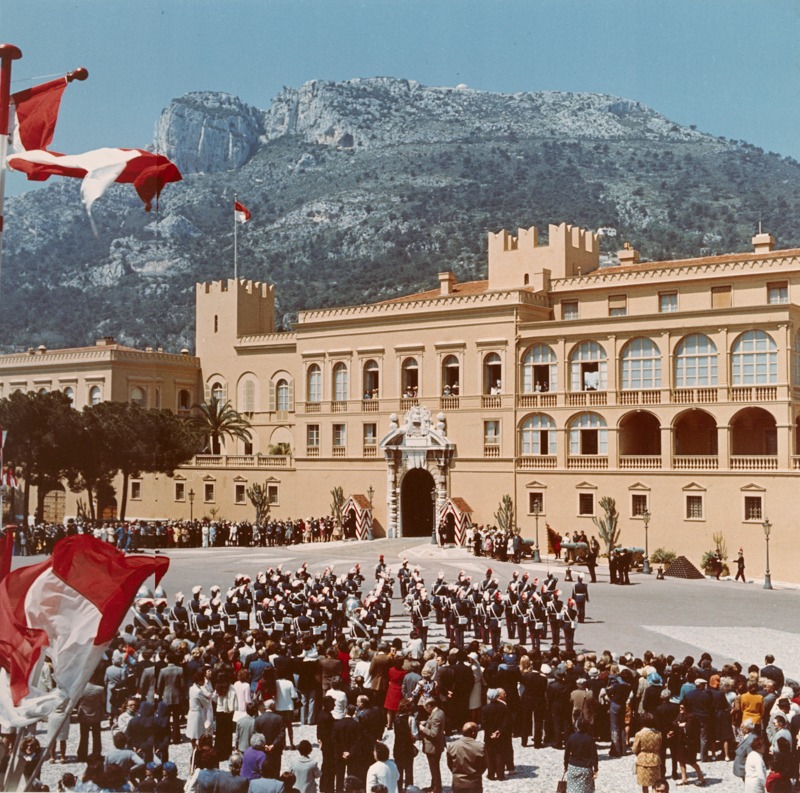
{"x":755,"y":771}
{"x":200,"y":720}
{"x":383,"y":771}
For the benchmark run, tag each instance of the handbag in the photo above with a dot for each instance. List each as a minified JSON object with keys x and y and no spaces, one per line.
{"x":561,"y":785}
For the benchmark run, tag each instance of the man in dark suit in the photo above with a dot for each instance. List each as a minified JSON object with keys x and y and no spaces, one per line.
{"x":270,"y":725}
{"x":433,"y":740}
{"x":170,"y":689}
{"x":772,"y":672}
{"x":347,"y":735}
{"x":466,"y":759}
{"x":496,"y":732}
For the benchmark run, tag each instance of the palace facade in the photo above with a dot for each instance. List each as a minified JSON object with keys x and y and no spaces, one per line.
{"x":673,"y":387}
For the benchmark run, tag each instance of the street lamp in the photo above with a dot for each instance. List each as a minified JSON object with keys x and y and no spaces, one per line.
{"x":537,"y":508}
{"x":433,"y":530}
{"x":646,"y":565}
{"x":767,"y":526}
{"x":191,"y":505}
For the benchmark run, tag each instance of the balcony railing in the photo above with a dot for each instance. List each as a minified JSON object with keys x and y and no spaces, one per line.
{"x":406,"y":403}
{"x":312,"y":451}
{"x":313,"y":407}
{"x":339,"y":407}
{"x":491,"y":449}
{"x":370,"y":450}
{"x":448,"y":403}
{"x":538,"y":400}
{"x":753,"y":393}
{"x":370,"y":405}
{"x":536,"y":462}
{"x":754,"y":462}
{"x":340,"y":451}
{"x":694,"y":396}
{"x":587,"y":462}
{"x":645,"y":397}
{"x":695,"y":462}
{"x":240,"y":461}
{"x":577,"y":398}
{"x":491,"y":402}
{"x":640,"y":462}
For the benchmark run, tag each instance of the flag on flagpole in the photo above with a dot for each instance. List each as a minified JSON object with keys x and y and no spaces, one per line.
{"x":241,"y":212}
{"x":70,"y":606}
{"x":34,"y":113}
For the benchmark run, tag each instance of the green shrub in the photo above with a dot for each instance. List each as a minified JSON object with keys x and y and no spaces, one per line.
{"x":663,"y":556}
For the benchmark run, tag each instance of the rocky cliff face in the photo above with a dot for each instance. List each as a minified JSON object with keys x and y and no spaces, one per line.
{"x":366,"y":189}
{"x":385,"y":111}
{"x":208,"y":132}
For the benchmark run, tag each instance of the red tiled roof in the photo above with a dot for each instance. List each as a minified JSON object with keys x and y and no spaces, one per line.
{"x":461,"y":505}
{"x":361,"y":500}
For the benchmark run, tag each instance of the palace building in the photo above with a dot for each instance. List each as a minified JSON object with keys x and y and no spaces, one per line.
{"x":673,"y":387}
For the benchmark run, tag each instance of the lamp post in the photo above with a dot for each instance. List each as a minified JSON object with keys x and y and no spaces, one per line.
{"x":433,"y":502}
{"x":646,"y":564}
{"x":537,"y":558}
{"x":767,"y":526}
{"x":191,"y":505}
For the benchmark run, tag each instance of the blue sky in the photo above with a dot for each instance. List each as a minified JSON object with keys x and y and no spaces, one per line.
{"x":731,"y":67}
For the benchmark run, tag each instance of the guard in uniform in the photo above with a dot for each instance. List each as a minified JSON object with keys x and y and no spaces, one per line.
{"x":580,"y":594}
{"x":538,"y":624}
{"x":494,"y":617}
{"x":511,"y":598}
{"x":554,"y":606}
{"x":569,"y":621}
{"x":462,"y":612}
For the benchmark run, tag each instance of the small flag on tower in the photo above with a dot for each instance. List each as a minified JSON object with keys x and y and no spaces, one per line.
{"x":241,"y":212}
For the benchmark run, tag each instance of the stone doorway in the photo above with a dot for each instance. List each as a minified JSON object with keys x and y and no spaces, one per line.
{"x":417,"y":494}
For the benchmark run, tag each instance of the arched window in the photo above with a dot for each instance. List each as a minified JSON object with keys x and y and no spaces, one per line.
{"x":539,"y":369}
{"x":69,"y":392}
{"x":451,"y":380}
{"x":588,"y":435}
{"x":42,"y":390}
{"x":340,"y":387}
{"x":641,"y":365}
{"x":492,"y":374}
{"x":588,"y":367}
{"x":754,"y":359}
{"x":409,"y":377}
{"x":95,"y":395}
{"x":218,"y":392}
{"x":695,"y":362}
{"x":184,"y":399}
{"x":282,"y":397}
{"x":138,"y":397}
{"x":538,"y":435}
{"x":314,"y":381}
{"x":372,"y":379}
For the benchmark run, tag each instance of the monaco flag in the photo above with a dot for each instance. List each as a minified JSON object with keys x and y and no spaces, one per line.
{"x":69,"y":608}
{"x":34,"y":122}
{"x":241,"y":212}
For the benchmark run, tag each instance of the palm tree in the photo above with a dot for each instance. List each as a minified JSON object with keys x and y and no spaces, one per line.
{"x":218,"y":419}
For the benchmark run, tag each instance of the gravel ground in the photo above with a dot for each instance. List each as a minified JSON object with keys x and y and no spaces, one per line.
{"x":536,"y":769}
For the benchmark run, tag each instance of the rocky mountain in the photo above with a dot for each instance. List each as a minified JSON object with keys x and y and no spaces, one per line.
{"x":366,"y":189}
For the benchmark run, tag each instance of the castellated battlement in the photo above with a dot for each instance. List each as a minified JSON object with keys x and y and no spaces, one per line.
{"x":522,"y":262}
{"x":229,"y":309}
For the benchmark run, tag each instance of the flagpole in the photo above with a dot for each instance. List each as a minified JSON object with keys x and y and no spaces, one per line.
{"x":8,"y":53}
{"x":235,"y":242}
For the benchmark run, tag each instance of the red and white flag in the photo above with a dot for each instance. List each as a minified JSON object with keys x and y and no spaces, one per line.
{"x":35,"y":116}
{"x":69,"y":606}
{"x":9,"y":476}
{"x":241,"y":212}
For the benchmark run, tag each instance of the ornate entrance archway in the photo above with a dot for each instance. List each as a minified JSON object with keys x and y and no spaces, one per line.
{"x":418,"y":455}
{"x":417,"y":494}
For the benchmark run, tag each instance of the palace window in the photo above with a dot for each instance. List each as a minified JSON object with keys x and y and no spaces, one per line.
{"x":371,"y":380}
{"x":283,"y":399}
{"x":586,"y":504}
{"x":451,"y":370}
{"x":312,"y":435}
{"x":539,"y":369}
{"x":95,"y":395}
{"x":536,"y":498}
{"x":340,"y":384}
{"x":538,"y":435}
{"x":184,"y":399}
{"x":491,"y":432}
{"x":138,"y":397}
{"x":694,"y":508}
{"x":314,"y":379}
{"x":209,"y":492}
{"x":695,"y":362}
{"x":247,"y":396}
{"x":753,"y":508}
{"x":617,"y":305}
{"x":588,"y":435}
{"x":638,"y":504}
{"x":409,"y":377}
{"x":69,"y":393}
{"x":492,"y":374}
{"x":569,"y":309}
{"x":272,"y":494}
{"x":136,"y":490}
{"x":218,"y":392}
{"x":588,"y":367}
{"x":720,"y":297}
{"x":754,"y":359}
{"x":641,"y":365}
{"x":668,"y":302}
{"x":778,"y":293}
{"x":370,"y":434}
{"x":180,"y":491}
{"x":340,"y":435}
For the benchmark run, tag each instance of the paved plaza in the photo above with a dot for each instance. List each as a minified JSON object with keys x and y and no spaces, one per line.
{"x":731,"y":621}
